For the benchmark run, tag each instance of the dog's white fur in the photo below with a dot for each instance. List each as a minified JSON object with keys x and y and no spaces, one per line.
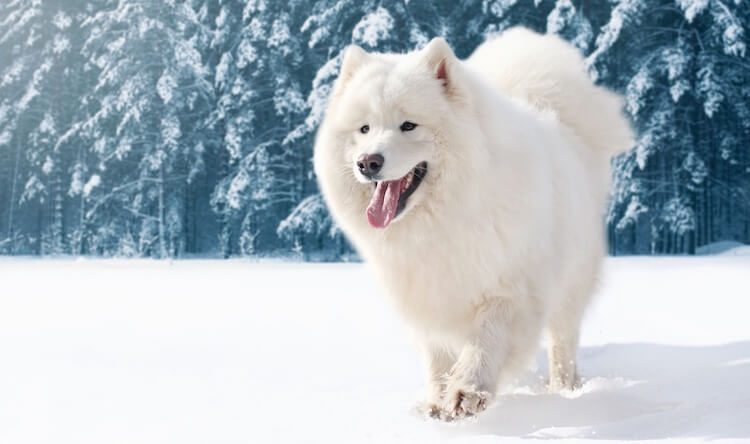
{"x":504,"y":236}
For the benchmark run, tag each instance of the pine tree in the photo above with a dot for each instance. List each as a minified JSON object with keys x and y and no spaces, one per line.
{"x":39,"y":93}
{"x":152,"y":83}
{"x":144,"y":128}
{"x":688,"y":59}
{"x":259,"y":96}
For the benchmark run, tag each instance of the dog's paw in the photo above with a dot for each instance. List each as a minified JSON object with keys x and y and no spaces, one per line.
{"x":563,"y":384}
{"x":428,"y":409}
{"x":462,"y":403}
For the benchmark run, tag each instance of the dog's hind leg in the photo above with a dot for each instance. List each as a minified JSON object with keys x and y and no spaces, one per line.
{"x":563,"y":331}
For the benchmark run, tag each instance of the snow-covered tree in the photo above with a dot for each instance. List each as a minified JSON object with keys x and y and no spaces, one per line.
{"x":310,"y":224}
{"x":37,"y":99}
{"x":181,"y":127}
{"x":683,"y":68}
{"x":144,"y":141}
{"x":259,"y":63}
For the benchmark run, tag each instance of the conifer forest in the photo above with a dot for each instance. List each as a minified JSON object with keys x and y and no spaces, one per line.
{"x":184,"y":128}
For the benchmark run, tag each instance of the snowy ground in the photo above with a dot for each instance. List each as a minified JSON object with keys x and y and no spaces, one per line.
{"x":108,"y":352}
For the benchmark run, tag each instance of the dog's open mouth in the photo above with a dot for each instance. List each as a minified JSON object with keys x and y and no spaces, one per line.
{"x":390,"y":196}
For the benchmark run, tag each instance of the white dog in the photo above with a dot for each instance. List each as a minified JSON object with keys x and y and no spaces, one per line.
{"x":475,"y":191}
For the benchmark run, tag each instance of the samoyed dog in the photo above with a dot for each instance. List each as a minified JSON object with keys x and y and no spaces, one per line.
{"x":475,"y":191}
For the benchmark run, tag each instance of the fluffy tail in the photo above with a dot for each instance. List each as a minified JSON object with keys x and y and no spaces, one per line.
{"x":550,"y":74}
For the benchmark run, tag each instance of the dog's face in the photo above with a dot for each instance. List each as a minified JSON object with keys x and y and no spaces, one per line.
{"x":387,"y":112}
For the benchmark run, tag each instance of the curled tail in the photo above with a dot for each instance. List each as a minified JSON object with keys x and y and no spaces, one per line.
{"x":550,"y":74}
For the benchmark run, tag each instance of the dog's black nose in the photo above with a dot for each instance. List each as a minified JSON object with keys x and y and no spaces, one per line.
{"x":370,"y":164}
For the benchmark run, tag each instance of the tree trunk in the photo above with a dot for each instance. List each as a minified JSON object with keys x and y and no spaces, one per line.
{"x":12,"y":200}
{"x":162,"y":230}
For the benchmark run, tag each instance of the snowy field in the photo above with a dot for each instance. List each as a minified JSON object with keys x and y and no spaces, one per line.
{"x":109,"y":352}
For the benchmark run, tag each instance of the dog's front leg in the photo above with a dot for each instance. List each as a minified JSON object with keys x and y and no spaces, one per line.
{"x":439,"y":359}
{"x":471,"y":383}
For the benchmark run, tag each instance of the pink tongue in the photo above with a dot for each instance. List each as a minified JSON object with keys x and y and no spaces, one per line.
{"x":384,"y":203}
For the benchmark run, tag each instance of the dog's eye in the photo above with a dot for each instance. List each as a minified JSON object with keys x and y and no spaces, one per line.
{"x":364,"y":129}
{"x":408,"y":126}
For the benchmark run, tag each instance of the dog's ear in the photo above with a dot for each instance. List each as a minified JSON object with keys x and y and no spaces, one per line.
{"x":354,"y":58}
{"x":441,"y":61}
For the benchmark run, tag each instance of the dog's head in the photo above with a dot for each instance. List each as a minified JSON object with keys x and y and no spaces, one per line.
{"x":385,"y":127}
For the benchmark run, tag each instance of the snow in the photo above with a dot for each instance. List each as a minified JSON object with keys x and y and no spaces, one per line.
{"x":288,"y":100}
{"x":373,"y":28}
{"x":5,"y":137}
{"x":13,"y":73}
{"x":280,"y":35}
{"x":62,"y":21}
{"x":638,"y":86}
{"x":500,"y":8}
{"x":676,"y":62}
{"x":48,"y":165}
{"x":246,"y":54}
{"x":692,"y":8}
{"x":222,"y":69}
{"x":418,"y":38}
{"x":113,"y":351}
{"x":610,"y":33}
{"x":708,"y":87}
{"x":76,"y":180}
{"x":165,"y":87}
{"x":679,"y":215}
{"x":317,"y":22}
{"x":47,"y":125}
{"x":727,"y":248}
{"x":696,"y":167}
{"x":309,"y":216}
{"x":239,"y":183}
{"x":60,"y":44}
{"x":93,"y":182}
{"x":318,"y":98}
{"x":171,"y":132}
{"x":732,"y":35}
{"x":233,"y":141}
{"x":632,"y":212}
{"x":567,"y":22}
{"x":29,"y":95}
{"x":187,"y":56}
